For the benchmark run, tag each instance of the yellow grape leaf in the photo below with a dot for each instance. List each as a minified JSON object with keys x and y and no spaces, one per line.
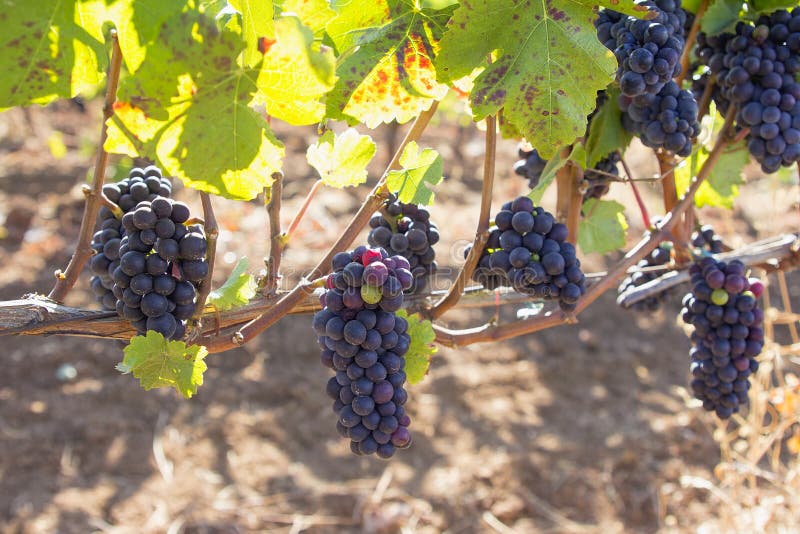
{"x":159,"y":363}
{"x":293,"y":75}
{"x":419,"y":171}
{"x":341,"y":160}
{"x":387,"y":68}
{"x":256,"y":25}
{"x":793,"y":443}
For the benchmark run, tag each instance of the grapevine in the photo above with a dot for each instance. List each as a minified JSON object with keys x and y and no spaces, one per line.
{"x":207,"y":114}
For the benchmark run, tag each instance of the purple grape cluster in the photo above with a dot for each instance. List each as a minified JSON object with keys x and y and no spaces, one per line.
{"x":665,"y":120}
{"x":661,"y":255}
{"x":527,"y":250}
{"x":648,"y":51}
{"x":530,"y":166}
{"x":364,"y":342}
{"x":161,"y":262}
{"x":758,"y":72}
{"x":704,"y":238}
{"x":598,"y":183}
{"x":728,"y":336}
{"x":710,"y":52}
{"x":409,"y":232}
{"x":141,"y":184}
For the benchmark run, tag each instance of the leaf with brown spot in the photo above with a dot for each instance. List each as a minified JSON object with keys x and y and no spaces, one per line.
{"x":386,"y":61}
{"x":548,"y":67}
{"x":51,"y":49}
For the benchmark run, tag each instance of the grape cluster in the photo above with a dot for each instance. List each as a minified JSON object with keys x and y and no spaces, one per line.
{"x":409,"y":233}
{"x":710,"y":52}
{"x":705,"y":238}
{"x":527,"y":250}
{"x":141,"y":184}
{"x":161,"y":261}
{"x":364,"y":342}
{"x":645,"y":273}
{"x":597,"y":183}
{"x":648,"y":51}
{"x":723,"y":309}
{"x":665,"y":120}
{"x":530,"y":166}
{"x":758,"y":72}
{"x":148,"y":263}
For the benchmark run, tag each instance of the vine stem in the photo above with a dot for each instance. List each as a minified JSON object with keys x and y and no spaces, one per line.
{"x":36,"y":315}
{"x":690,"y":40}
{"x":642,"y":208}
{"x":645,"y":246}
{"x":482,"y":231}
{"x":83,"y":250}
{"x":670,"y":193}
{"x":302,"y":211}
{"x":575,"y":178}
{"x":212,"y":232}
{"x":277,"y":241}
{"x":379,"y":193}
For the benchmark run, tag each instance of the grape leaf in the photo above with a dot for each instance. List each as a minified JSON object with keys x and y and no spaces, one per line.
{"x":548,"y":175}
{"x":765,"y":7}
{"x":293,"y":75}
{"x":691,"y":5}
{"x":237,"y":290}
{"x":603,"y":227}
{"x":257,"y":24}
{"x":341,"y":160}
{"x":314,"y":14}
{"x":421,"y":348}
{"x":213,"y":135}
{"x":191,"y":111}
{"x":159,"y":363}
{"x":722,"y":186}
{"x":420,"y":169}
{"x":51,"y":49}
{"x":721,"y":16}
{"x":138,"y":24}
{"x":606,"y":133}
{"x":548,"y":67}
{"x":385,"y":69}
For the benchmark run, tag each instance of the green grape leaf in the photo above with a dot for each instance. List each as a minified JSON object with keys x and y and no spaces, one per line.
{"x":722,"y":186}
{"x":691,"y":5}
{"x":138,"y":24}
{"x":548,"y":66}
{"x":765,"y":7}
{"x":191,"y":113}
{"x":314,"y":14}
{"x":237,"y":290}
{"x":419,"y":171}
{"x":421,"y":348}
{"x":385,"y":68}
{"x":293,"y":76}
{"x":603,"y":227}
{"x":606,"y":133}
{"x":257,"y":27}
{"x":721,"y":16}
{"x":51,"y":49}
{"x":159,"y":363}
{"x":341,"y":160}
{"x":548,"y":175}
{"x":214,"y":142}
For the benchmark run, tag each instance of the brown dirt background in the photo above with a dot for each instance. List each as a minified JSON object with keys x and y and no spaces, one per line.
{"x":583,"y":428}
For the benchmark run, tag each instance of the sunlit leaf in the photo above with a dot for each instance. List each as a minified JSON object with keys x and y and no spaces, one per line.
{"x":341,"y":160}
{"x":237,"y":290}
{"x":421,"y":349}
{"x":419,"y":171}
{"x":159,"y":363}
